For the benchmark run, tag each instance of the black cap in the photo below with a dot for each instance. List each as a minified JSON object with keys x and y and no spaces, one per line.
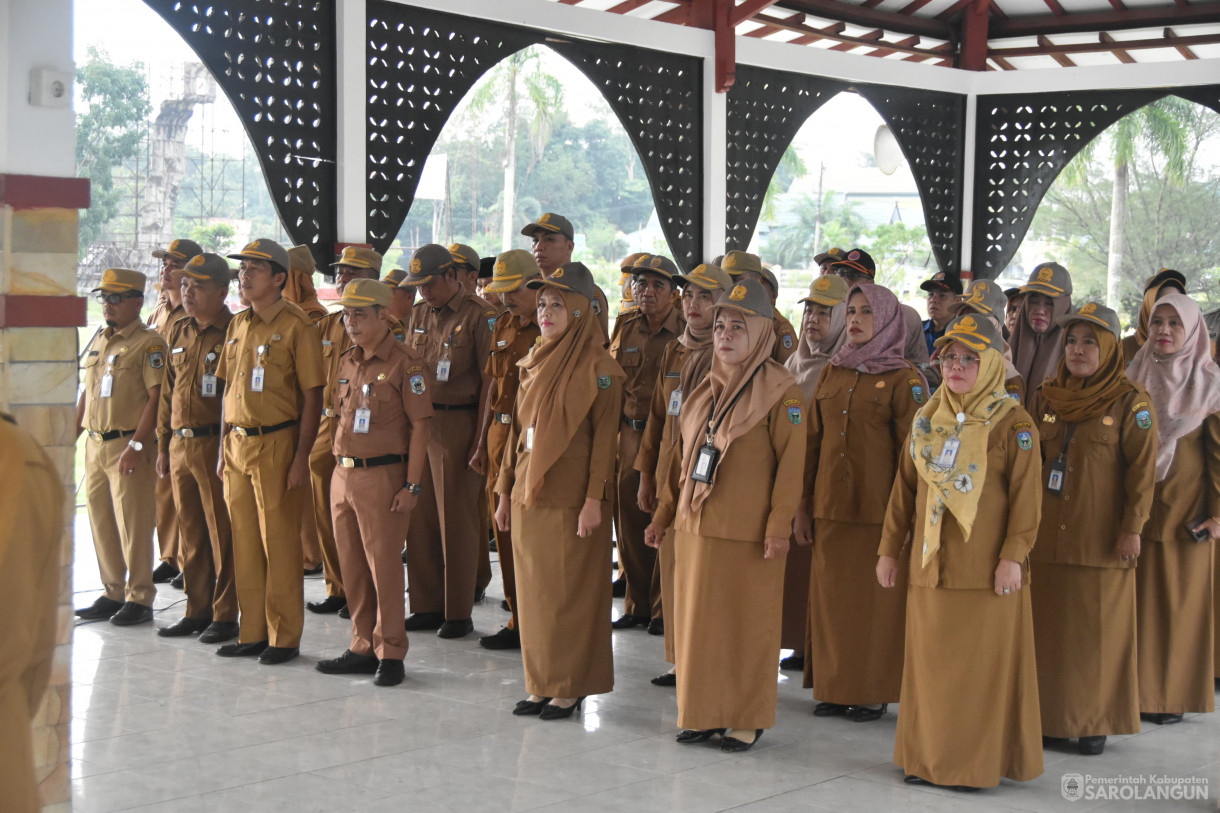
{"x":944,"y":281}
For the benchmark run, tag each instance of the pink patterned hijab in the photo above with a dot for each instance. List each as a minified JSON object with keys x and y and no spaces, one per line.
{"x":884,"y":351}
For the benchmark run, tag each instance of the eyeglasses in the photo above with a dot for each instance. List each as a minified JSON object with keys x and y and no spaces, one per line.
{"x":114,"y":299}
{"x":965,"y":361}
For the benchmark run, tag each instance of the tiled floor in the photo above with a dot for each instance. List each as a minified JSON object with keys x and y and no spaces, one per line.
{"x":165,"y":725}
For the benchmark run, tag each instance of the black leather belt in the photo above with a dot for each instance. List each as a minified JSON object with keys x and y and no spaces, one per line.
{"x":503,"y":417}
{"x":197,"y":431}
{"x":253,"y":431}
{"x":451,"y":407}
{"x":634,"y":424}
{"x":111,"y":435}
{"x":369,"y":462}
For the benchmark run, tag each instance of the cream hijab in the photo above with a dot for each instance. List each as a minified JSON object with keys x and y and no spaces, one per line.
{"x":807,"y":362}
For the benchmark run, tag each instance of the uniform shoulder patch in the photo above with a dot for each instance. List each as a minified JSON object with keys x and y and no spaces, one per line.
{"x":1025,"y":437}
{"x":917,"y":392}
{"x":603,"y":382}
{"x":795,"y":411}
{"x":787,"y":341}
{"x":156,"y":359}
{"x":1143,"y":419}
{"x":417,"y":384}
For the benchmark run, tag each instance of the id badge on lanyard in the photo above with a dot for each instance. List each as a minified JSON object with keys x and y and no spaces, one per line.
{"x":107,"y":388}
{"x":258,"y":374}
{"x":442,"y":366}
{"x":529,"y":439}
{"x":675,"y":403}
{"x":364,"y":416}
{"x":207,"y":386}
{"x":948,"y":454}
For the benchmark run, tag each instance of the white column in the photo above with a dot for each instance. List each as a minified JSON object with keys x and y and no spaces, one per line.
{"x":35,"y":140}
{"x":715,"y":127}
{"x":350,"y":37}
{"x":971,"y":127}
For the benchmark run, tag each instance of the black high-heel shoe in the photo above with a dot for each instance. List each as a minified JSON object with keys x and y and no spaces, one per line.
{"x":528,"y":708}
{"x":866,"y":714}
{"x":734,"y":744}
{"x":552,"y":712}
{"x":692,"y":735}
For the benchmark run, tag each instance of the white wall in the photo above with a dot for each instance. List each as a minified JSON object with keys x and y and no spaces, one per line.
{"x":34,"y":140}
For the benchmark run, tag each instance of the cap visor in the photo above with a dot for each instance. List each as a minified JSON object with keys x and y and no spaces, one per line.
{"x":502,"y":287}
{"x":816,"y":300}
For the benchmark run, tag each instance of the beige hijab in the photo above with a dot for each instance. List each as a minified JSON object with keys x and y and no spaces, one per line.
{"x":807,"y":362}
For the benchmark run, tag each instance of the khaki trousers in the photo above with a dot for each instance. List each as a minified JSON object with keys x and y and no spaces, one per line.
{"x":321,"y":470}
{"x":497,"y":437}
{"x":369,"y":538}
{"x":637,"y":560}
{"x":266,"y":519}
{"x":122,"y":512}
{"x":204,"y":533}
{"x":167,"y":524}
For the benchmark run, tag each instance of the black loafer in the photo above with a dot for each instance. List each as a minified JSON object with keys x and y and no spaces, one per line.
{"x":1161,"y":718}
{"x":479,"y":595}
{"x":792,"y":663}
{"x":178,"y":582}
{"x":626,"y":622}
{"x":349,"y":663}
{"x":424,"y":621}
{"x":183,"y":627}
{"x":313,"y":571}
{"x":330,"y":604}
{"x":656,"y":626}
{"x":165,"y":572}
{"x":504,"y":605}
{"x":528,"y":708}
{"x":690,"y":735}
{"x":735,"y":745}
{"x":618,"y":588}
{"x":100,"y":610}
{"x":455,"y":628}
{"x":667,"y":679}
{"x":830,"y":710}
{"x":345,"y":611}
{"x":504,"y":639}
{"x":866,"y":714}
{"x":912,"y":779}
{"x":132,"y":614}
{"x":390,"y":672}
{"x":219,"y":631}
{"x":1092,"y":746}
{"x":278,"y":654}
{"x":242,"y":650}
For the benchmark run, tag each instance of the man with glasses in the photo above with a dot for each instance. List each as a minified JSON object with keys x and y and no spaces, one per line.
{"x":124,"y":366}
{"x":944,"y":289}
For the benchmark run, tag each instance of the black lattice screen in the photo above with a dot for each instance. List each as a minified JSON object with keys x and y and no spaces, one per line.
{"x":275,"y":60}
{"x":421,"y":64}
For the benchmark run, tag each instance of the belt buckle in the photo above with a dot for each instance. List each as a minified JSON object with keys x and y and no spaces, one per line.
{"x":241,"y":430}
{"x":188,"y":432}
{"x":94,"y":435}
{"x":330,"y":413}
{"x":504,"y":417}
{"x":347,"y":462}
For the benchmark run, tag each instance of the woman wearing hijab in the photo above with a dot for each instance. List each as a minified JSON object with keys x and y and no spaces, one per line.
{"x":1037,"y":339}
{"x":1162,"y":282}
{"x":988,"y":299}
{"x":1098,"y":455}
{"x":859,"y":416}
{"x":1173,"y":583}
{"x":823,"y":332}
{"x":684,"y":363}
{"x":968,"y":495}
{"x":555,"y":481}
{"x":733,"y":484}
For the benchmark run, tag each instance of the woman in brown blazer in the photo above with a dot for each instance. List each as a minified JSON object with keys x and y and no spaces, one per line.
{"x":1173,"y":583}
{"x":733,"y":485}
{"x":968,"y":494}
{"x":1098,"y":441}
{"x":554,"y":484}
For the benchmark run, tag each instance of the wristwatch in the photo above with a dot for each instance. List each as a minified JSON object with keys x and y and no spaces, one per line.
{"x":135,"y":444}
{"x":413,"y":488}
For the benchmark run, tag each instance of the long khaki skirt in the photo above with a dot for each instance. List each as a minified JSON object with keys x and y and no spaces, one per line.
{"x":1175,"y":620}
{"x":796,"y":596}
{"x":969,"y":711}
{"x":1216,"y":613}
{"x":563,"y":602}
{"x":665,"y":562}
{"x":728,"y":602}
{"x":854,"y":651}
{"x":1084,"y":629}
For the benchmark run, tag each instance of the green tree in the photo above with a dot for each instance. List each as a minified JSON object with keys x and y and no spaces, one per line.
{"x":109,"y":132}
{"x":217,"y":238}
{"x":794,"y":244}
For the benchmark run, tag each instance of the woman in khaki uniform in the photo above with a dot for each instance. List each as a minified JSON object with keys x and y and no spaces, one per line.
{"x":1098,"y":455}
{"x":684,"y":363}
{"x":861,"y":412}
{"x":1173,"y":583}
{"x":987,"y":298}
{"x":733,"y":484}
{"x":968,"y":492}
{"x":555,"y":482}
{"x":1037,"y":339}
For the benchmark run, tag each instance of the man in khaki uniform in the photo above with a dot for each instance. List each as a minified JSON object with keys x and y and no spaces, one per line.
{"x":402,"y":299}
{"x":188,"y":434}
{"x":554,"y":240}
{"x":515,"y":333}
{"x":466,"y":262}
{"x":31,"y":537}
{"x":827,"y":259}
{"x":169,"y":310}
{"x":273,"y":374}
{"x":740,"y":264}
{"x":381,"y":445}
{"x":637,"y":346}
{"x":124,"y":366}
{"x":451,"y":328}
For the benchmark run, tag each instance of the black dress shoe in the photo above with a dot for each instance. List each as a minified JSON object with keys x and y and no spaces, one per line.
{"x":278,"y":654}
{"x":504,"y":639}
{"x":100,"y":610}
{"x":912,"y":779}
{"x":528,"y":708}
{"x":219,"y":631}
{"x":164,"y":572}
{"x":552,"y":712}
{"x":455,"y":628}
{"x":667,"y":679}
{"x":184,"y":626}
{"x":618,"y":588}
{"x":690,"y":736}
{"x":178,"y":582}
{"x":1092,"y":746}
{"x":504,"y":605}
{"x":389,"y":673}
{"x":330,"y":604}
{"x":866,"y":714}
{"x":349,"y":663}
{"x":345,"y":612}
{"x":733,"y":744}
{"x":424,"y":621}
{"x":132,"y":614}
{"x":793,"y":663}
{"x":1161,"y":718}
{"x":313,"y":571}
{"x":479,"y":595}
{"x":626,"y":622}
{"x":830,"y":710}
{"x":242,"y":650}
{"x":656,"y":626}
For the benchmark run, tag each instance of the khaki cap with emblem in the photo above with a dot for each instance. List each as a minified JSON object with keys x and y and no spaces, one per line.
{"x":984,"y":297}
{"x":1050,"y":279}
{"x":736,"y":263}
{"x":464,"y":255}
{"x":749,"y":297}
{"x":181,"y":249}
{"x":429,"y":260}
{"x":975,"y":332}
{"x":829,"y":255}
{"x":556,"y":224}
{"x":121,"y":280}
{"x":209,"y":266}
{"x":365,"y":293}
{"x":629,"y":261}
{"x":300,"y":258}
{"x":828,"y":290}
{"x":654,"y":264}
{"x":1094,"y":314}
{"x":264,"y":249}
{"x":359,"y":257}
{"x":512,"y":268}
{"x":708,"y":277}
{"x":574,"y":277}
{"x":394,"y":278}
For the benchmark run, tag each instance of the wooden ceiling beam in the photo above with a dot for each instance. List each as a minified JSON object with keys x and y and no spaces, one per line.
{"x":851,"y":46}
{"x":835,"y":32}
{"x":884,"y":51}
{"x":894,"y":21}
{"x":1122,"y":55}
{"x":1171,"y":35}
{"x":1050,"y":48}
{"x":1203,"y":12}
{"x":739,"y":14}
{"x":626,"y":6}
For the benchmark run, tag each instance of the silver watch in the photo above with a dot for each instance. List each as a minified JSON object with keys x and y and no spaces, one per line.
{"x":135,"y":444}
